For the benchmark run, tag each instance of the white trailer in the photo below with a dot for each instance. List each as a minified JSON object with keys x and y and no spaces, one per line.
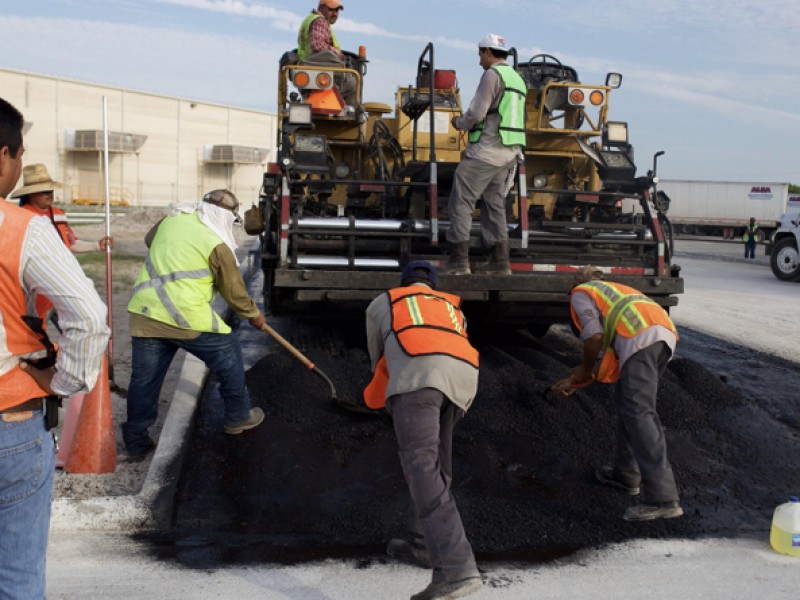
{"x":710,"y":206}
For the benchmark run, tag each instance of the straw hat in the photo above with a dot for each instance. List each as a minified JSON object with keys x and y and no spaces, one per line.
{"x":35,"y":178}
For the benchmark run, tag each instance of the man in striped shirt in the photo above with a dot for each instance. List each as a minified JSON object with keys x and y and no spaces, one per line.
{"x":33,"y":260}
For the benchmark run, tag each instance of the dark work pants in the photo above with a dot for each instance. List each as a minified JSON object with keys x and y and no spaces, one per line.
{"x":423,"y":423}
{"x":641,"y":445}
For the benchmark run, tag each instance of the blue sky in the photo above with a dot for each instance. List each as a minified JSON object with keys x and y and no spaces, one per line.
{"x":716,"y":84}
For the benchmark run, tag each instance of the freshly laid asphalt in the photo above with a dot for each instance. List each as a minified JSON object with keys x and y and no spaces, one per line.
{"x":92,"y":553}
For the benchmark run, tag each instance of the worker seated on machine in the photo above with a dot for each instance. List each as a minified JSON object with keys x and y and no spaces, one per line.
{"x":317,"y":46}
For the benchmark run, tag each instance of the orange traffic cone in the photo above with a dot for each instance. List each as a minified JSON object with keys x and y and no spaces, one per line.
{"x":94,"y":446}
{"x":68,"y":430}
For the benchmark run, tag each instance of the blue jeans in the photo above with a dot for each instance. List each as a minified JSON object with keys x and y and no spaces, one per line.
{"x":750,"y":249}
{"x":27,"y":462}
{"x":221,"y":353}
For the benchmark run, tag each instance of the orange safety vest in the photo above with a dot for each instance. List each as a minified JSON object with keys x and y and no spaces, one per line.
{"x":16,"y":339}
{"x":59,"y":221}
{"x":426,"y":323}
{"x":626,"y":312}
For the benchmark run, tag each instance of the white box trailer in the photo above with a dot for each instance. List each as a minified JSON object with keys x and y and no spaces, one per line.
{"x":706,"y":207}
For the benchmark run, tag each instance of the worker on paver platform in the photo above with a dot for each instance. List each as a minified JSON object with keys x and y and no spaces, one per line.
{"x":191,"y":257}
{"x":317,"y":45}
{"x":495,"y":120}
{"x":33,"y":260}
{"x":426,"y":375}
{"x":634,"y":339}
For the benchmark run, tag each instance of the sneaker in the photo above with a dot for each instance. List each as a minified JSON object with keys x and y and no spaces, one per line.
{"x":140,"y":456}
{"x":256,"y":417}
{"x":407,"y":552}
{"x":450,"y":589}
{"x":648,"y":512}
{"x":609,"y":476}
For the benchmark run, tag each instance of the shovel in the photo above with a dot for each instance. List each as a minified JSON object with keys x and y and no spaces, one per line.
{"x":310,"y":365}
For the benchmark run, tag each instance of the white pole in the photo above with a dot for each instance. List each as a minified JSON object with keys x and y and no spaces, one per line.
{"x":108,"y":246}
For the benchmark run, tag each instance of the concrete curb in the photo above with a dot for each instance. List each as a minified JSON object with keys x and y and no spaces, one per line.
{"x":152,"y":507}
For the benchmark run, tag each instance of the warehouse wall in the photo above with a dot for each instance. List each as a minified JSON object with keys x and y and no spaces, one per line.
{"x":168,"y":167}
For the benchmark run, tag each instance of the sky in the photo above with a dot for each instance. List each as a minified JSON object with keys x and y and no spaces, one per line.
{"x":714,"y":84}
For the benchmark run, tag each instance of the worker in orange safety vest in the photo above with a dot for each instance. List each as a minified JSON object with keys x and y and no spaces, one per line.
{"x":426,"y":375}
{"x":33,"y":260}
{"x":629,"y":338}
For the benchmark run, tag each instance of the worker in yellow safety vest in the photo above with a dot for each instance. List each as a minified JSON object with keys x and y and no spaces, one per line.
{"x":495,"y":121}
{"x":317,"y":45}
{"x":426,"y":375}
{"x":191,"y":257}
{"x":628,"y":338}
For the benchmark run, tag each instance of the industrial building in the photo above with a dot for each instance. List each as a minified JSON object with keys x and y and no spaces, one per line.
{"x":162,"y":149}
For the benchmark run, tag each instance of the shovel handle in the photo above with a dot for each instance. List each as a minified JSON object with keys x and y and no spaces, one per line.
{"x":283,"y":342}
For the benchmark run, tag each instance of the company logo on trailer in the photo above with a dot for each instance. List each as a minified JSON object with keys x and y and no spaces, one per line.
{"x":760,"y":192}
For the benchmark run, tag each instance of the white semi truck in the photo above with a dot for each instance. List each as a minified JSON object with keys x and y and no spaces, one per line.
{"x":711,"y":207}
{"x":784,"y":246}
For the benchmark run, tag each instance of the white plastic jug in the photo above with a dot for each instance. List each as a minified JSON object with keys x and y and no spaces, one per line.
{"x":784,"y":537}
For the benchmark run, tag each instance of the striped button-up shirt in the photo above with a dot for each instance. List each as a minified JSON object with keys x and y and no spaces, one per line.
{"x":48,"y":268}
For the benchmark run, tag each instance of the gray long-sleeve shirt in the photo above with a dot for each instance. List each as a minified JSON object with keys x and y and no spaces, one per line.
{"x":455,"y":378}
{"x":489,"y":148}
{"x":592,"y":323}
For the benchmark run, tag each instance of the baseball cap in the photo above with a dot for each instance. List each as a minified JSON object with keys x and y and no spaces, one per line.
{"x":334,"y":4}
{"x":495,"y":42}
{"x":587,"y":273}
{"x":432,"y":274}
{"x":224,"y":199}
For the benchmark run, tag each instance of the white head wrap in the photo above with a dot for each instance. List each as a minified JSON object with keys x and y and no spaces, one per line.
{"x":217,"y":219}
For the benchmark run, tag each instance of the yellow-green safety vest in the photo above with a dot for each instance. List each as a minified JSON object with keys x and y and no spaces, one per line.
{"x":511,"y":109}
{"x":304,"y":36}
{"x":175,"y":285}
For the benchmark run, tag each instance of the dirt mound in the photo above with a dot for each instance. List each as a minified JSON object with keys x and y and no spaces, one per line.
{"x":326,"y":483}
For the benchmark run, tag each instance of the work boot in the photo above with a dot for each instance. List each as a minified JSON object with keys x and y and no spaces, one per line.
{"x":648,"y":512}
{"x":458,"y":260}
{"x":256,"y":417}
{"x":409,"y":552}
{"x":450,"y":589}
{"x":141,"y":455}
{"x":610,"y":476}
{"x":499,"y":260}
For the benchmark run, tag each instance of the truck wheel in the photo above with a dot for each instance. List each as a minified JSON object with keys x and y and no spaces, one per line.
{"x":785,"y":261}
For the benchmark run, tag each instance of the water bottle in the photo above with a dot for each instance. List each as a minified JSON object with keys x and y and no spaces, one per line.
{"x":784,"y":536}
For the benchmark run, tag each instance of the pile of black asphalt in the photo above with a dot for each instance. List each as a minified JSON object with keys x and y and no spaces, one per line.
{"x":315,"y":481}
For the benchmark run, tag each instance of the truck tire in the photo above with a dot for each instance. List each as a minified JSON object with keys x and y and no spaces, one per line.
{"x":785,"y":260}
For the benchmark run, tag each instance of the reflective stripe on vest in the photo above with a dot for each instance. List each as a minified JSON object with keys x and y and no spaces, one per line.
{"x":626,"y":312}
{"x":425,"y":323}
{"x":511,"y":109}
{"x":749,"y":231}
{"x":428,"y":322}
{"x":304,"y":36}
{"x":175,"y":285}
{"x":16,"y":339}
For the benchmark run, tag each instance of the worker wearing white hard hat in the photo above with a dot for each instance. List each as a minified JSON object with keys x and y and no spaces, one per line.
{"x":495,"y":121}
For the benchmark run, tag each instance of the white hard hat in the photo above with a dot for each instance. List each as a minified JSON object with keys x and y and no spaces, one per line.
{"x":494,"y":41}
